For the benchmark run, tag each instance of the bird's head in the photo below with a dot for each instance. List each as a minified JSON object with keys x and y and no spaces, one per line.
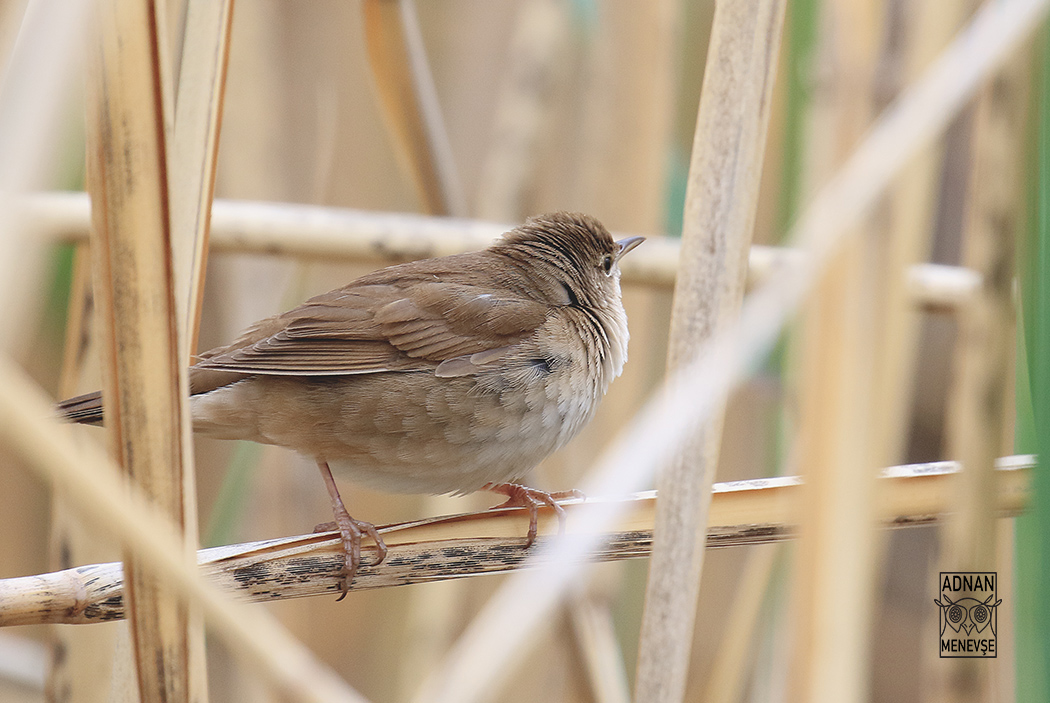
{"x":570,"y":256}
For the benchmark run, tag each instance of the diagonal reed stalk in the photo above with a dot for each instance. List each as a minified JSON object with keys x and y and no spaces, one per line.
{"x":410,"y":105}
{"x":982,"y":370}
{"x":144,"y":373}
{"x":85,"y":474}
{"x":511,"y":618}
{"x":721,"y":200}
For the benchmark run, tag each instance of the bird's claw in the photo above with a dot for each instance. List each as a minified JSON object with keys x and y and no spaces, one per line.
{"x":519,"y":496}
{"x":350,"y":532}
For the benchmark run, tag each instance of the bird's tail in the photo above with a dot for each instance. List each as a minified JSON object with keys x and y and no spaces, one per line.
{"x":84,"y":409}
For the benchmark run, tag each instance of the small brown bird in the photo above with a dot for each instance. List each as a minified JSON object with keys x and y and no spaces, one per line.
{"x":446,"y":375}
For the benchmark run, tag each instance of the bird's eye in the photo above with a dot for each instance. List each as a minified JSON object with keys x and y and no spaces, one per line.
{"x":607,"y":264}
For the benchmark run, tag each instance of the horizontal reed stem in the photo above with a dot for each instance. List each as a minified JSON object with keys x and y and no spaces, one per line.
{"x":742,"y":512}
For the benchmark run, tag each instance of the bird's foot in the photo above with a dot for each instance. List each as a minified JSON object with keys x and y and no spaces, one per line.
{"x":519,"y":496}
{"x":351,"y":531}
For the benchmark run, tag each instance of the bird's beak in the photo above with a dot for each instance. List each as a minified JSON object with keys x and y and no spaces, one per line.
{"x":627,"y":244}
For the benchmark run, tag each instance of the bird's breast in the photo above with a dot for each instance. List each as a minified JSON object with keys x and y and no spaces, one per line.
{"x":421,"y":433}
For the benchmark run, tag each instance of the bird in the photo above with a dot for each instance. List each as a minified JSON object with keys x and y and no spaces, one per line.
{"x":443,"y":376}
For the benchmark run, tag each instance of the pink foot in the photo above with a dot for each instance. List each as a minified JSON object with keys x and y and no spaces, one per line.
{"x":519,"y":496}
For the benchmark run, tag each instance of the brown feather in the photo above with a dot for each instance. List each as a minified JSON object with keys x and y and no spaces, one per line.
{"x":408,"y":317}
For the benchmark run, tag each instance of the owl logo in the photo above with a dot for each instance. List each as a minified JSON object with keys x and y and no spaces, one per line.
{"x":967,"y":614}
{"x":968,"y":606}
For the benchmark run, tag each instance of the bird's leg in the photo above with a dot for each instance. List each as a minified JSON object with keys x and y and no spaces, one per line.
{"x":519,"y":496}
{"x":350,"y":530}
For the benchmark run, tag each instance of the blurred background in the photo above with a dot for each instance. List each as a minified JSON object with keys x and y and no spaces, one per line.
{"x":586,"y":105}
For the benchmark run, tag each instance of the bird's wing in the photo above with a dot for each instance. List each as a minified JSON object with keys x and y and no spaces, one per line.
{"x":369,"y":327}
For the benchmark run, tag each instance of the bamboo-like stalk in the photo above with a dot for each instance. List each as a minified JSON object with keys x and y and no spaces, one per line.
{"x":595,"y":637}
{"x":194,"y":148}
{"x":78,"y":654}
{"x":337,"y":234}
{"x":731,"y":130}
{"x":167,"y":33}
{"x":840,"y":422}
{"x":836,"y":554}
{"x":941,"y":288}
{"x":410,"y":106}
{"x":78,"y":340}
{"x":38,"y":69}
{"x":929,"y":26}
{"x":192,"y":140}
{"x":755,"y":511}
{"x":907,"y":221}
{"x":144,"y":374}
{"x":982,"y":361}
{"x":536,"y":59}
{"x":613,"y":164}
{"x":727,"y":680}
{"x":978,"y":399}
